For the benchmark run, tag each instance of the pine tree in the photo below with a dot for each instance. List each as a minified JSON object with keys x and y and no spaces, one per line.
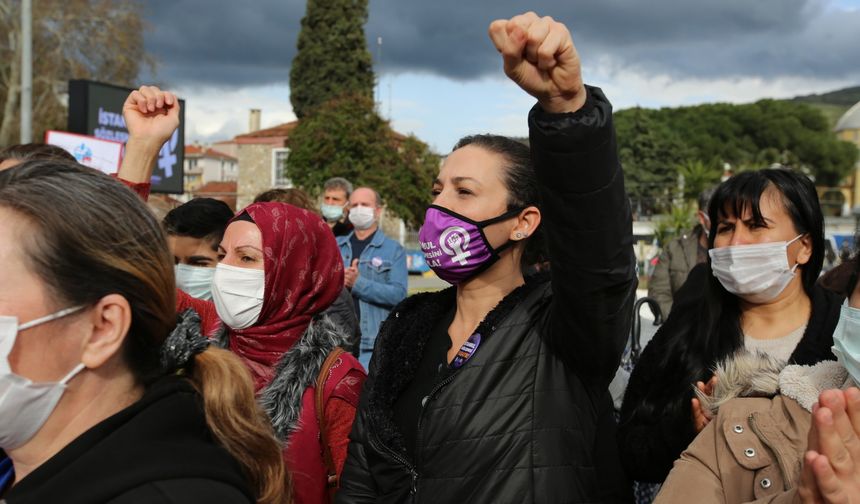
{"x":332,"y":59}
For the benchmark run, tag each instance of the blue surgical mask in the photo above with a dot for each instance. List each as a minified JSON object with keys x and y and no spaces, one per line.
{"x":332,"y":213}
{"x":846,"y":340}
{"x":195,"y":280}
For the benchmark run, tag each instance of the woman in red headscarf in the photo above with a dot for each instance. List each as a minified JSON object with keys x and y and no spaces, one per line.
{"x":280,"y":269}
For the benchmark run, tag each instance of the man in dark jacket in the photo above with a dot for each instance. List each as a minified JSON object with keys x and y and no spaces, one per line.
{"x":679,"y":256}
{"x":526,"y":416}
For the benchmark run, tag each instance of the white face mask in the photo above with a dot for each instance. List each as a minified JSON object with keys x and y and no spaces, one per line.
{"x":25,"y":406}
{"x":362,"y":217}
{"x":756,"y":273}
{"x":195,"y":280}
{"x":238,"y":295}
{"x":846,"y":340}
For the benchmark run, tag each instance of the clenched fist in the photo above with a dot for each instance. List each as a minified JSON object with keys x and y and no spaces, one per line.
{"x":540,"y":57}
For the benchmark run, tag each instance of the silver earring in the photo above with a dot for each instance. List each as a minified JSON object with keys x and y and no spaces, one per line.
{"x":519,"y":236}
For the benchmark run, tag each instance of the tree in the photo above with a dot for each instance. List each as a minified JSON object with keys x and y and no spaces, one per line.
{"x":346,"y":138}
{"x":656,"y":146}
{"x":697,"y":176}
{"x":332,"y":59}
{"x":650,"y":153}
{"x":72,"y":39}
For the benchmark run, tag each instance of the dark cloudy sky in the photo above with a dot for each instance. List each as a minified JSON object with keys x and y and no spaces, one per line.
{"x":650,"y":52}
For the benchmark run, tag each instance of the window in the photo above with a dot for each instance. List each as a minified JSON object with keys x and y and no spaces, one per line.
{"x":279,"y":168}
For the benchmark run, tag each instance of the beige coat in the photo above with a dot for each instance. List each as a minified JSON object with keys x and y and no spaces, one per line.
{"x":753,"y":448}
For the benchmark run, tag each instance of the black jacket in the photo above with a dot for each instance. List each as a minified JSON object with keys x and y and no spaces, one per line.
{"x":342,"y":313}
{"x":528,"y":418}
{"x":656,"y":416}
{"x":158,"y":450}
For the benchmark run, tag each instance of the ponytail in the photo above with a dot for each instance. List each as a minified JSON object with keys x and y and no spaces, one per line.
{"x":239,"y":424}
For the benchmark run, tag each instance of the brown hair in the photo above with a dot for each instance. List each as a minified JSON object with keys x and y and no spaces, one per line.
{"x":31,"y":151}
{"x":95,"y":237}
{"x":520,"y":181}
{"x":292,"y":196}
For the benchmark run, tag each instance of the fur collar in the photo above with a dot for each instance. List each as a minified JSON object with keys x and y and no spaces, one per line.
{"x":400,"y":347}
{"x":805,"y":383}
{"x":296,"y":371}
{"x":759,"y":375}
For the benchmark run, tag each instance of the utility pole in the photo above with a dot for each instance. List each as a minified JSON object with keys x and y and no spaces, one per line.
{"x":378,"y":72}
{"x":26,"y":71}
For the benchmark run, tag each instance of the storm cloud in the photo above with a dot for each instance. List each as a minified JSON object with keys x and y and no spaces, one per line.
{"x":232,"y":44}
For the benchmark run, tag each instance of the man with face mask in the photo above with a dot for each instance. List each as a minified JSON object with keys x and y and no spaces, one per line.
{"x":679,"y":256}
{"x":375,"y":267}
{"x":194,"y":231}
{"x":336,"y":193}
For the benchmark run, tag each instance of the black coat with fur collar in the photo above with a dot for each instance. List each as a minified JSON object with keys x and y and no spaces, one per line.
{"x":528,"y":418}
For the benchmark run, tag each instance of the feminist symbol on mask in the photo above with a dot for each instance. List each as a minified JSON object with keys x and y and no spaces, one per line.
{"x":455,"y":242}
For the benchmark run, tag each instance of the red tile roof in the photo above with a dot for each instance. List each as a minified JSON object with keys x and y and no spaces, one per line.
{"x":276,"y":135}
{"x":217,"y":188}
{"x":280,"y":134}
{"x":198,"y":151}
{"x":224,"y":191}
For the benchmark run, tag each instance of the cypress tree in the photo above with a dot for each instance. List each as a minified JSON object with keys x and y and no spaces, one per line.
{"x":332,"y":59}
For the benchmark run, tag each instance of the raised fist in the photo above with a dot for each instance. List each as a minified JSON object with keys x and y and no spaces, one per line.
{"x":540,"y":57}
{"x":151,"y":115}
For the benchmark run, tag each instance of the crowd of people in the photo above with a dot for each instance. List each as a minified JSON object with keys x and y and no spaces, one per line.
{"x":272,"y":355}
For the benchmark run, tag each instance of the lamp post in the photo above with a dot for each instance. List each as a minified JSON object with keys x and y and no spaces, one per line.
{"x":26,"y":71}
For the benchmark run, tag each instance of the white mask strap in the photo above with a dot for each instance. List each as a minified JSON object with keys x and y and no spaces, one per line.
{"x":80,"y":367}
{"x":794,"y":268}
{"x":47,"y":318}
{"x":794,"y":240}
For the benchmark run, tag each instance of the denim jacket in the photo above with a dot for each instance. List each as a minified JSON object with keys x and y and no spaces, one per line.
{"x":381,"y":284}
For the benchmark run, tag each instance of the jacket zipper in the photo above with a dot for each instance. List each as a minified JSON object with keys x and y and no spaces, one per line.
{"x":397,"y":457}
{"x":787,"y":480}
{"x":429,"y":398}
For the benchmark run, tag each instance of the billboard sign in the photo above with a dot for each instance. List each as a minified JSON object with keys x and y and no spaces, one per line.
{"x":103,"y":155}
{"x":95,"y":109}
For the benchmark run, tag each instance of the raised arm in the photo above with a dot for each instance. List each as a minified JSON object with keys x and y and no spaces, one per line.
{"x":585,"y":210}
{"x":151,"y":116}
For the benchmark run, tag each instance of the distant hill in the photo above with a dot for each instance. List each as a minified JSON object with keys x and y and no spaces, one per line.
{"x":833,"y":104}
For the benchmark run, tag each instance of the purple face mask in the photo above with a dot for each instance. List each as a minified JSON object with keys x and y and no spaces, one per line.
{"x":455,"y":247}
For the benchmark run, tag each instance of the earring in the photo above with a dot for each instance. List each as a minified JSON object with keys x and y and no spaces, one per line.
{"x":520,"y":236}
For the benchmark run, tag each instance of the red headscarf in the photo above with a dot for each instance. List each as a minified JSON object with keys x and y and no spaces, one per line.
{"x":303,"y":277}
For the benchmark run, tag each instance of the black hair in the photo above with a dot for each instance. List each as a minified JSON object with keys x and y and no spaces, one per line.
{"x":798,"y":196}
{"x":520,"y":181}
{"x":204,"y":218}
{"x":704,"y":325}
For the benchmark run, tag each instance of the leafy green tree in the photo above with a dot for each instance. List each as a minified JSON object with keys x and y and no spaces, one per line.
{"x":650,"y":152}
{"x":697,"y":176}
{"x":748,"y":136}
{"x":679,"y":219}
{"x":332,"y":59}
{"x":346,"y":138}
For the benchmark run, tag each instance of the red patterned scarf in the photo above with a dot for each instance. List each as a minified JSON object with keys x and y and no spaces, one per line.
{"x":303,"y":277}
